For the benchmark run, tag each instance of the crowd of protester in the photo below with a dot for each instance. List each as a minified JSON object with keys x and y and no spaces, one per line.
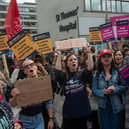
{"x":95,"y":93}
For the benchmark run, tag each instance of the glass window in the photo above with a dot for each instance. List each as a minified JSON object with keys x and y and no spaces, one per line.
{"x":108,"y":2}
{"x":87,"y":5}
{"x":118,"y":3}
{"x":32,"y":10}
{"x":104,"y":5}
{"x":113,"y":6}
{"x":3,"y":8}
{"x":125,"y":6}
{"x":107,"y":5}
{"x":96,"y":5}
{"x":2,"y":15}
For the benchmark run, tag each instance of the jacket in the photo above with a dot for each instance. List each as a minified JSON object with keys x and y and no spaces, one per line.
{"x":117,"y":98}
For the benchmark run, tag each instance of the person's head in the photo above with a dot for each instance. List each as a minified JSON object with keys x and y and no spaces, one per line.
{"x":71,"y":63}
{"x":30,"y":68}
{"x":18,"y":62}
{"x":18,"y":124}
{"x":118,"y":57}
{"x":104,"y":60}
{"x":126,"y":52}
{"x":84,"y":62}
{"x":105,"y":57}
{"x":40,"y":59}
{"x":125,"y":47}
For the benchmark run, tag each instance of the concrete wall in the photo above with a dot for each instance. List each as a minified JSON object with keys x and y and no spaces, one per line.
{"x":48,"y":9}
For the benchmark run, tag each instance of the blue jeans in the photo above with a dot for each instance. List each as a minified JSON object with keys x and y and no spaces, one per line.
{"x":109,"y":120}
{"x":33,"y":122}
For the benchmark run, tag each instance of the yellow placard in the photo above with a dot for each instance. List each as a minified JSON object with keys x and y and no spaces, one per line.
{"x":43,"y":46}
{"x":23,"y":48}
{"x":3,"y":42}
{"x":95,"y":36}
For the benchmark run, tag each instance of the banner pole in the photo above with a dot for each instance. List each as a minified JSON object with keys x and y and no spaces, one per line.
{"x":5,"y":66}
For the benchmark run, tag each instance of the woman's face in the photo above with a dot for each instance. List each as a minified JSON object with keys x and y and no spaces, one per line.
{"x":72,"y":63}
{"x":30,"y":69}
{"x":118,"y":57}
{"x":106,"y":59}
{"x":17,"y":126}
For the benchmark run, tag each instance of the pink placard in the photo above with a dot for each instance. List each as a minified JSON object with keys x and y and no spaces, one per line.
{"x":107,"y":33}
{"x":118,"y":18}
{"x":123,"y":31}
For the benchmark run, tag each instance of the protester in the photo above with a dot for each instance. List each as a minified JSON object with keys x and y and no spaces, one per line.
{"x":109,"y":88}
{"x":31,"y":115}
{"x":6,"y":115}
{"x":76,"y":108}
{"x":119,"y":60}
{"x":88,"y":64}
{"x":18,"y":124}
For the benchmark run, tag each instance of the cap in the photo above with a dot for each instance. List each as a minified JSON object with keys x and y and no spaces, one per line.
{"x":105,"y":51}
{"x":18,"y":121}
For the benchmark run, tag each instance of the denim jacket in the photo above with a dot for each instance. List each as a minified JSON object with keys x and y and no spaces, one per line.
{"x":117,"y":98}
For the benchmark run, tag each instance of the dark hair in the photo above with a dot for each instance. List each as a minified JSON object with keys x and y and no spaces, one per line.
{"x":83,"y":61}
{"x":125,"y":45}
{"x":118,"y":51}
{"x":67,"y":71}
{"x":100,"y":67}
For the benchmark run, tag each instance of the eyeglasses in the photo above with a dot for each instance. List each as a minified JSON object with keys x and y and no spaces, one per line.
{"x":106,"y":56}
{"x":29,"y":65}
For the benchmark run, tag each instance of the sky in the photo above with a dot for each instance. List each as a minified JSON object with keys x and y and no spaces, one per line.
{"x":21,"y":1}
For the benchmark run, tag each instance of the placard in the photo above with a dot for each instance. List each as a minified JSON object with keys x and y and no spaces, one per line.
{"x":3,"y":42}
{"x":33,"y":90}
{"x":125,"y":74}
{"x":21,"y":45}
{"x":43,"y":43}
{"x":107,"y":32}
{"x":95,"y":34}
{"x":122,"y":29}
{"x":71,"y":43}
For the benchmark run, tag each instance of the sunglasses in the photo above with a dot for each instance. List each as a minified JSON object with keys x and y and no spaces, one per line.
{"x":29,"y":65}
{"x":106,"y":56}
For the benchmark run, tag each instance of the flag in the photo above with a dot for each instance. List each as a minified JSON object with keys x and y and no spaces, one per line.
{"x":12,"y":23}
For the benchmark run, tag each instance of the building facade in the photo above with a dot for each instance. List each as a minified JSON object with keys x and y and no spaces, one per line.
{"x":66,"y":19}
{"x":28,"y":13}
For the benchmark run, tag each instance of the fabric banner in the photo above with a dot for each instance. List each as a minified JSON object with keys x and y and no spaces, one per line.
{"x":12,"y":23}
{"x":21,"y":45}
{"x":95,"y":34}
{"x":34,"y":90}
{"x":43,"y":43}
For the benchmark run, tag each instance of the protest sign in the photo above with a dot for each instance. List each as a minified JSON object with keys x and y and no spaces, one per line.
{"x":33,"y":90}
{"x":71,"y":43}
{"x":3,"y":41}
{"x":95,"y":34}
{"x":107,"y":32}
{"x":122,"y":29}
{"x":63,"y":45}
{"x":116,"y":19}
{"x":43,"y":43}
{"x":125,"y":74}
{"x":78,"y":42}
{"x":21,"y":45}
